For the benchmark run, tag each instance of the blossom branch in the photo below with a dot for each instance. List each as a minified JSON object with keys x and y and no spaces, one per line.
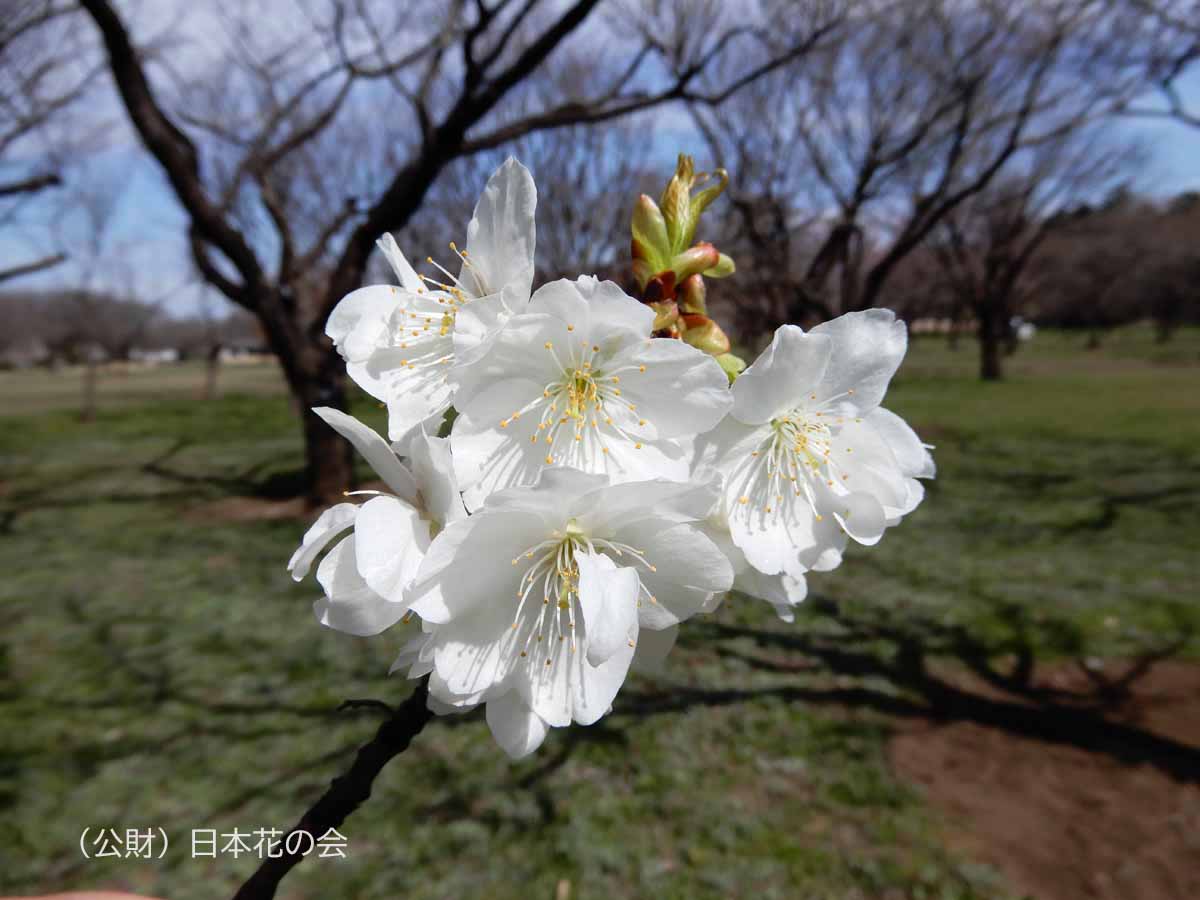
{"x":347,"y":792}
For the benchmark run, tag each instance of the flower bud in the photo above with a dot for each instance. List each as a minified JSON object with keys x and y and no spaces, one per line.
{"x":733,"y":365}
{"x":676,"y":202}
{"x":660,"y":287}
{"x":666,"y":314}
{"x":703,"y":334}
{"x":699,"y":258}
{"x":691,"y":294}
{"x":650,"y":240}
{"x":723,"y":269}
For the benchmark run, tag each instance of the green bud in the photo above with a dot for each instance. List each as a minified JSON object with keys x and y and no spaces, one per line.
{"x":691,"y":294}
{"x":676,"y":202}
{"x":701,"y":201}
{"x":703,"y":334}
{"x":733,"y":365}
{"x":650,"y":240}
{"x":699,"y":258}
{"x":666,"y":314}
{"x":723,"y":269}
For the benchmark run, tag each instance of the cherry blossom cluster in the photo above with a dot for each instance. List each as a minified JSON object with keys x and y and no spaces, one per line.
{"x":601,"y":479}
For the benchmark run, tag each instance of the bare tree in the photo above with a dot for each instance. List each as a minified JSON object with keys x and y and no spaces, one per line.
{"x":40,"y":78}
{"x":330,"y":134}
{"x":875,"y":137}
{"x":986,"y":244}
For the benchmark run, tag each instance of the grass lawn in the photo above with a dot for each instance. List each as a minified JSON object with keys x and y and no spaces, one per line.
{"x":158,"y":668}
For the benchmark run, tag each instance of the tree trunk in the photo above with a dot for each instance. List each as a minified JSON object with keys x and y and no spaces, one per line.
{"x":91,"y":375}
{"x":991,"y":331}
{"x":212,"y":366}
{"x":327,"y":455}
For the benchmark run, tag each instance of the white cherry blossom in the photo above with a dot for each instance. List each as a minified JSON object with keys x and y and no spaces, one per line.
{"x":364,"y":575}
{"x":536,"y":603}
{"x":400,"y":343}
{"x":807,"y":454}
{"x":576,"y":380}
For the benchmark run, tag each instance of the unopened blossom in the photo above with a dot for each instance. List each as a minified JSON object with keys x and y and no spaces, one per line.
{"x":400,"y":343}
{"x":807,"y":454}
{"x":364,"y":575}
{"x":537,"y":603}
{"x":576,"y":380}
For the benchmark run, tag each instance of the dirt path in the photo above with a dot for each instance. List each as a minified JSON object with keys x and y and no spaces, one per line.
{"x":1061,"y":822}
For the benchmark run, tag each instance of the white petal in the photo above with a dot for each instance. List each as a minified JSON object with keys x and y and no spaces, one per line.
{"x":862,"y":461}
{"x":781,"y":591}
{"x":391,"y":540}
{"x":475,"y":653}
{"x":406,"y":274}
{"x":868,"y":348}
{"x":516,"y":728}
{"x":861,"y":515}
{"x":477,"y":325}
{"x":608,"y":598}
{"x":607,"y":509}
{"x":358,"y":324}
{"x":595,"y":687}
{"x":434,"y":470}
{"x":349,"y":604}
{"x":689,"y":567}
{"x":516,"y":353}
{"x":682,"y":390}
{"x":650,"y":655}
{"x":329,"y":525}
{"x":558,"y":494}
{"x":374,"y":450}
{"x":500,"y":236}
{"x":598,"y":311}
{"x":911,"y":455}
{"x":469,"y":565}
{"x":782,"y":376}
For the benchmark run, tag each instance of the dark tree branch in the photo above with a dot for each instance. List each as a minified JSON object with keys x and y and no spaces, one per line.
{"x":172,"y":148}
{"x":29,"y":268}
{"x":348,"y":791}
{"x":30,"y":185}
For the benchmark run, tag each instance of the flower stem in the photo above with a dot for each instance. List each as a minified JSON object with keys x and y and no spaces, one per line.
{"x":346,"y":792}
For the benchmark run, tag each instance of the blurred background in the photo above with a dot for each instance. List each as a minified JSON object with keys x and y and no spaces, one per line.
{"x":1000,"y":700}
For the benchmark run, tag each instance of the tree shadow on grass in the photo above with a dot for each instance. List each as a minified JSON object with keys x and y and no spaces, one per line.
{"x":901,"y":655}
{"x":248,"y":482}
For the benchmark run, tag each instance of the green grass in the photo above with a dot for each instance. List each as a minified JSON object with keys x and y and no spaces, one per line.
{"x":159,"y":668}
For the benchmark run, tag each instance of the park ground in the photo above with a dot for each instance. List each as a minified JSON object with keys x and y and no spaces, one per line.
{"x":1002,"y":699}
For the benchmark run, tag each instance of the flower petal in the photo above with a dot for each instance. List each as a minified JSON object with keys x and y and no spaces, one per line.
{"x":608,"y":598}
{"x":500,"y":236}
{"x":468,"y":565}
{"x":598,"y":311}
{"x":650,"y":655}
{"x":516,"y":727}
{"x":391,"y":540}
{"x":405,"y":273}
{"x":434,"y":470}
{"x":867,"y":349}
{"x":358,"y":324}
{"x":688,"y":568}
{"x":349,"y":604}
{"x":329,"y":525}
{"x":374,"y":450}
{"x":912,"y":456}
{"x":788,"y":370}
{"x":677,"y":389}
